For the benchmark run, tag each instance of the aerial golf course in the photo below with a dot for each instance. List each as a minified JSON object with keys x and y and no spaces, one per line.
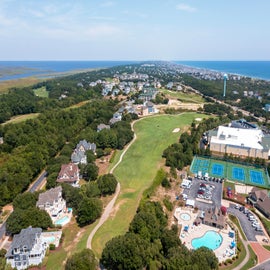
{"x":138,"y":169}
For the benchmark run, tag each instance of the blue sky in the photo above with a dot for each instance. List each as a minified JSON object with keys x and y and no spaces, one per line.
{"x":134,"y":30}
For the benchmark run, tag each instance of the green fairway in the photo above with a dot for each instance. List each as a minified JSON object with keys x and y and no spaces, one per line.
{"x":21,"y":118}
{"x":41,"y":92}
{"x":182,"y":96}
{"x":138,"y":169}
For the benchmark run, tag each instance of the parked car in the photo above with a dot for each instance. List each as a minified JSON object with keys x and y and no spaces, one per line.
{"x":255,"y":224}
{"x":237,"y":206}
{"x":241,"y":208}
{"x":258,"y":229}
{"x":246,"y":211}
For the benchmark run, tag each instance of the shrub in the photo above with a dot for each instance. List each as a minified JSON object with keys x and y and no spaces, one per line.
{"x":165,"y":183}
{"x":52,"y":246}
{"x":168,"y":204}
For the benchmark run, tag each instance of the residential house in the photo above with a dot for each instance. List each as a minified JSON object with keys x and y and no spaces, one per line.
{"x":27,"y":248}
{"x":148,"y":94}
{"x":214,"y":217}
{"x":79,"y":156}
{"x":84,"y":146}
{"x":169,"y":85}
{"x":69,"y":174}
{"x":267,"y":107}
{"x":52,"y":202}
{"x":259,"y":199}
{"x":116,"y":118}
{"x":148,"y":108}
{"x":102,"y":126}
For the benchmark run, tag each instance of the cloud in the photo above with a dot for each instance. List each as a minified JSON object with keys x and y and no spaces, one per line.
{"x":185,"y":7}
{"x":107,"y":4}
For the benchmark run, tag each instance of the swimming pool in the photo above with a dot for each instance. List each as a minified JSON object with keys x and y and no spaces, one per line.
{"x":210,"y":239}
{"x":49,"y":239}
{"x":185,"y":216}
{"x":62,"y":221}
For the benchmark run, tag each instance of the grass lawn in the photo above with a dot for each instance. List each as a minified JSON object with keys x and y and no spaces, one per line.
{"x":21,"y":118}
{"x":138,"y":169}
{"x":5,"y":85}
{"x":41,"y":92}
{"x":184,"y":97}
{"x":74,"y":236}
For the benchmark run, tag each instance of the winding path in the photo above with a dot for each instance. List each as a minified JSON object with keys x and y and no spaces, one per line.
{"x":109,"y":207}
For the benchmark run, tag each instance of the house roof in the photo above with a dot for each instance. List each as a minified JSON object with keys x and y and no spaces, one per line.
{"x":77,"y":156}
{"x":68,"y":173}
{"x":214,"y":216}
{"x":49,"y":196}
{"x":86,"y":145}
{"x":26,"y":238}
{"x":102,"y":126}
{"x":263,"y":200}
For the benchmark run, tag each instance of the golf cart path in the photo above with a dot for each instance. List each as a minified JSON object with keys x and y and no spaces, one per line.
{"x":109,"y":207}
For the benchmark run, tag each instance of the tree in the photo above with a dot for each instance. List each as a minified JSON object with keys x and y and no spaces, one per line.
{"x":91,"y":190}
{"x":128,"y":251}
{"x":90,"y":172}
{"x":205,"y":258}
{"x":72,"y":196}
{"x":89,"y":210}
{"x":107,"y":184}
{"x":25,"y":200}
{"x":21,"y":219}
{"x":84,"y":260}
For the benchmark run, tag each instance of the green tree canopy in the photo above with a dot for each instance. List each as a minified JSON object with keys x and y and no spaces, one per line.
{"x":107,"y":184}
{"x":25,"y":201}
{"x":84,"y":260}
{"x":89,"y":210}
{"x":21,"y":219}
{"x":128,"y":251}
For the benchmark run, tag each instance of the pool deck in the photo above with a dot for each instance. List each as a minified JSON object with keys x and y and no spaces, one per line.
{"x":55,"y":235}
{"x":222,"y":253}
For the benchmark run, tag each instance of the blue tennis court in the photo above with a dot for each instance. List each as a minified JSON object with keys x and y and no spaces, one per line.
{"x":256,"y":177}
{"x":238,"y":173}
{"x":218,"y":169}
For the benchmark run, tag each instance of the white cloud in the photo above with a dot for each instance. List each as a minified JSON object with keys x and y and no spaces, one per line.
{"x":185,"y":7}
{"x":107,"y":4}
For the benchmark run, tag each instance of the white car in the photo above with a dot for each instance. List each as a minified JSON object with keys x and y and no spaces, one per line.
{"x":255,"y":224}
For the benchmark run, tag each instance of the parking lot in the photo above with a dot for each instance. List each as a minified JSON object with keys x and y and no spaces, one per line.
{"x":246,"y":224}
{"x":206,"y":194}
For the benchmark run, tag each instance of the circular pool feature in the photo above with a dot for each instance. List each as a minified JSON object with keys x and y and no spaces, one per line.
{"x":185,"y":216}
{"x":210,"y":239}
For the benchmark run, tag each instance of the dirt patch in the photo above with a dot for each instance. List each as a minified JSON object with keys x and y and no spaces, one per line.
{"x":176,"y":130}
{"x":103,"y":164}
{"x":116,"y":207}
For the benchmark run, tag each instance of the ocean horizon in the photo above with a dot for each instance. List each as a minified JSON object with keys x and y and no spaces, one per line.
{"x":252,"y":69}
{"x":10,"y":70}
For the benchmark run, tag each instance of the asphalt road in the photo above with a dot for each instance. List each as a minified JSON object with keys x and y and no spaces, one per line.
{"x":2,"y":230}
{"x":262,"y":266}
{"x":249,"y":231}
{"x":38,"y":182}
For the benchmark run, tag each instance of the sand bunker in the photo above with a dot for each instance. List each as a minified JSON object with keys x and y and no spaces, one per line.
{"x":198,"y":119}
{"x":176,"y":130}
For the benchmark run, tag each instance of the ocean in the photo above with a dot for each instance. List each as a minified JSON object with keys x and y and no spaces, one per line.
{"x":10,"y":70}
{"x":253,"y":69}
